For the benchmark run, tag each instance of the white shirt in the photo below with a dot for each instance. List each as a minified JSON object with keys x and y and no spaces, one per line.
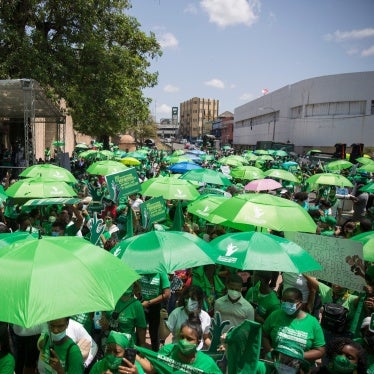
{"x":235,"y":313}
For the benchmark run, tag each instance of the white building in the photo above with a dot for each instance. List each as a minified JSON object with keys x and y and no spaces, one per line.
{"x":316,"y":112}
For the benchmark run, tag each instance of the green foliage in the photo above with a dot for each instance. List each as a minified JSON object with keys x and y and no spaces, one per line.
{"x":88,"y":52}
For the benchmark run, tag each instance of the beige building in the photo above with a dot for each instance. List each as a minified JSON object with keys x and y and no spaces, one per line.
{"x":194,"y":114}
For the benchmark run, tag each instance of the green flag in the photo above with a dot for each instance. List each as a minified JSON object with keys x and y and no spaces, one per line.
{"x":178,"y":220}
{"x":129,"y":222}
{"x":243,"y":348}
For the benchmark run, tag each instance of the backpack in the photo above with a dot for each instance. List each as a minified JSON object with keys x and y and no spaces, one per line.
{"x":334,"y":317}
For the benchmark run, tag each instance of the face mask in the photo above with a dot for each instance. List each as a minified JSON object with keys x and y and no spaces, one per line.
{"x":108,"y":222}
{"x":284,"y":369}
{"x":341,"y":364}
{"x":234,"y":295}
{"x":55,"y":233}
{"x":113,"y":362}
{"x":192,"y":305}
{"x":186,"y":347}
{"x":289,"y":308}
{"x":59,"y":336}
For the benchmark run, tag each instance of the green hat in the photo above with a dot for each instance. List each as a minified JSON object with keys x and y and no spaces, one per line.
{"x":119,"y":338}
{"x":329,"y":220}
{"x":292,"y":350}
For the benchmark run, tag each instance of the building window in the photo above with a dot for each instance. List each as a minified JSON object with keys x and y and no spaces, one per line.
{"x":372,"y":107}
{"x":296,"y":112}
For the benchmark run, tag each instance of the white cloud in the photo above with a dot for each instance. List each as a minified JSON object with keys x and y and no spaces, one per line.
{"x":246,"y":97}
{"x":368,"y":52}
{"x":217,"y":83}
{"x":190,"y":8}
{"x":231,"y":12}
{"x":167,"y":40}
{"x":169,"y":88}
{"x":340,"y":36}
{"x":163,"y":110}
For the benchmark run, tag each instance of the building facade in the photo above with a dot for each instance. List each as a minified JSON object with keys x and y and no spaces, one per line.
{"x":316,"y":112}
{"x":194,"y":113}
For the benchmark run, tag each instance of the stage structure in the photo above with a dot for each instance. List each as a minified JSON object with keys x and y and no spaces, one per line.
{"x":25,"y":101}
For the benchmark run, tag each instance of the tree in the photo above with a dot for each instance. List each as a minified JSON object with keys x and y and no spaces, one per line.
{"x":145,"y":130}
{"x":88,"y":52}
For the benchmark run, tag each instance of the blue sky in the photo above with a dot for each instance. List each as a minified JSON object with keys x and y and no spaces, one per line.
{"x":231,"y":50}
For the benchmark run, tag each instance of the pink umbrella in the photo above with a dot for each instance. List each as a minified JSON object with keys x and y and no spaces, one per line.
{"x":262,"y":185}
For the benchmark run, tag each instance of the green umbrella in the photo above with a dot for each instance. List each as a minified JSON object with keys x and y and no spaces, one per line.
{"x":241,"y":159}
{"x":163,"y":251}
{"x":281,"y":174}
{"x":230,"y":162}
{"x":3,"y":195}
{"x":260,"y":152}
{"x":207,"y":157}
{"x":329,"y":179}
{"x":280,"y":153}
{"x":177,"y":159}
{"x":37,"y":188}
{"x":95,"y":155}
{"x":178,"y":152}
{"x":49,"y":172}
{"x":105,"y":167}
{"x":247,"y":173}
{"x":339,"y":165}
{"x":368,"y":167}
{"x":206,"y":204}
{"x":169,"y":188}
{"x":81,"y":146}
{"x":208,"y":176}
{"x":55,"y":277}
{"x":12,"y":237}
{"x":313,"y":151}
{"x":259,"y":251}
{"x":265,"y":158}
{"x":367,"y":239}
{"x":58,"y":143}
{"x":268,"y":211}
{"x":364,"y":160}
{"x":139,"y":155}
{"x":368,"y":187}
{"x":251,"y":157}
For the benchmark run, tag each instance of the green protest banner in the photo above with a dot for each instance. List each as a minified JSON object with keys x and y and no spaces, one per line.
{"x":153,"y":210}
{"x":123,"y":183}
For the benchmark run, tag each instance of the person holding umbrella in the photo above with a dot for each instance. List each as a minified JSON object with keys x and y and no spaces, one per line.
{"x":58,"y":353}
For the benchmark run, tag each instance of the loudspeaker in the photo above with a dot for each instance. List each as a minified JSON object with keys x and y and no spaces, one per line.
{"x":340,"y":150}
{"x":357,"y":151}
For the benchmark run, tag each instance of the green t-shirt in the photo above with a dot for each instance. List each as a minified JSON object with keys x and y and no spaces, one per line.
{"x":7,"y":364}
{"x":69,"y":353}
{"x":168,"y":355}
{"x":101,"y":367}
{"x":131,"y":315}
{"x":265,"y":303}
{"x":307,"y":332}
{"x":153,"y":284}
{"x":349,"y":301}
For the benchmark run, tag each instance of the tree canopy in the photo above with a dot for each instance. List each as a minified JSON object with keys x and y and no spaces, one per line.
{"x":89,"y":52}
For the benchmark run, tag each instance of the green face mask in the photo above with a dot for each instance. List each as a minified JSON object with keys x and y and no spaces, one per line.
{"x":186,"y":347}
{"x":341,"y":364}
{"x":113,"y":362}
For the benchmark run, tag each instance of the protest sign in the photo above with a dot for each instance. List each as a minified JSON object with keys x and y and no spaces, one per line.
{"x":342,"y":259}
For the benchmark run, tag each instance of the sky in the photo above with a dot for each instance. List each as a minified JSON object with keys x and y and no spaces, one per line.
{"x":233,"y":50}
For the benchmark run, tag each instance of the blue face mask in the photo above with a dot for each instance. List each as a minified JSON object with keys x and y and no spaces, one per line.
{"x":289,"y":308}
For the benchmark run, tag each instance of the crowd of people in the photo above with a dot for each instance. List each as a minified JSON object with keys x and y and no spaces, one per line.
{"x":299,"y":335}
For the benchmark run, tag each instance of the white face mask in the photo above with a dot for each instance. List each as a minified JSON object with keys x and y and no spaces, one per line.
{"x":192,"y":305}
{"x":59,"y":336}
{"x":234,"y":295}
